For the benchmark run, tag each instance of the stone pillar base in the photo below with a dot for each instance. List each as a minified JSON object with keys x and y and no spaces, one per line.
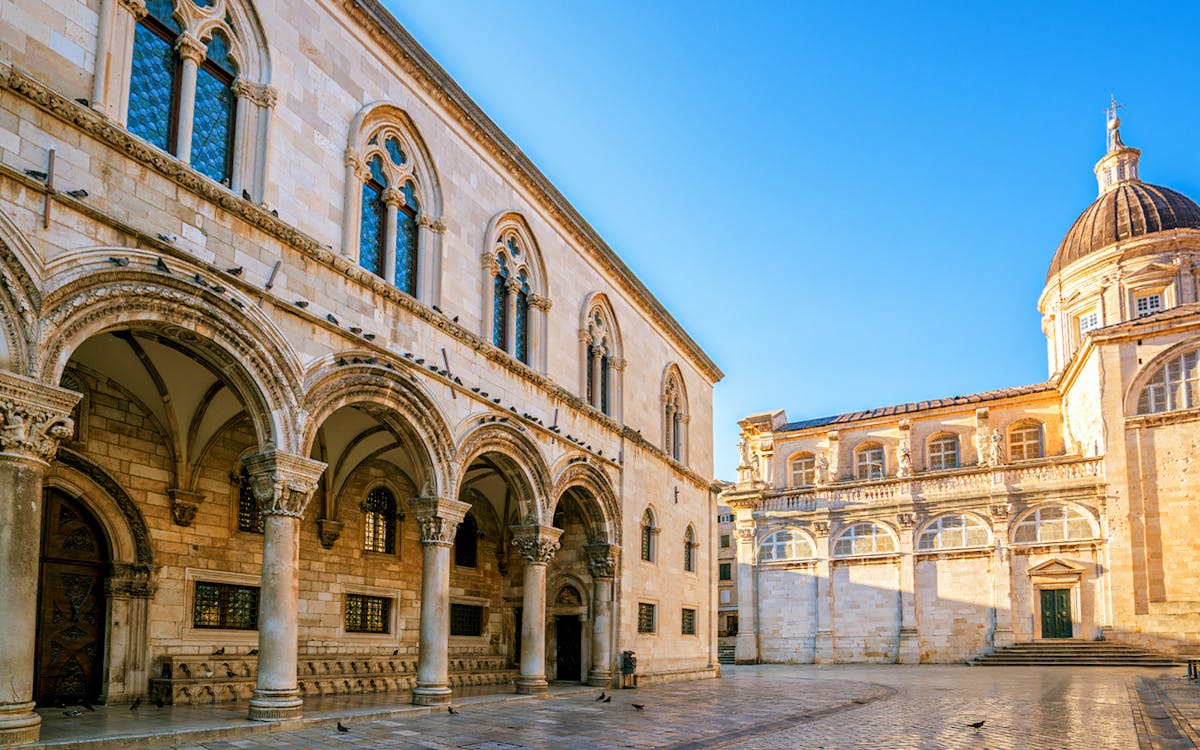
{"x":600,"y":679}
{"x":823,"y":648}
{"x":275,"y":706}
{"x":1003,"y":638}
{"x":745,"y":649}
{"x":19,"y":725}
{"x":431,"y":696}
{"x":532,"y":686}
{"x":910,"y":647}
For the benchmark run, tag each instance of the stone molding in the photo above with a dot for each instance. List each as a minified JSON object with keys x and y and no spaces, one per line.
{"x":329,"y":531}
{"x":602,"y":559}
{"x":34,"y":417}
{"x":283,"y":483}
{"x":190,"y":48}
{"x":536,"y":544}
{"x":438,"y":518}
{"x":184,"y":505}
{"x":133,"y":580}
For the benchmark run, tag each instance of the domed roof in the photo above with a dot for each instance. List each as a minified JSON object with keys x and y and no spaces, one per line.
{"x":1124,"y":211}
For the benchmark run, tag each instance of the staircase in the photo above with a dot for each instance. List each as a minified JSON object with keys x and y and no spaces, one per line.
{"x":1074,"y":654}
{"x":725,"y":653}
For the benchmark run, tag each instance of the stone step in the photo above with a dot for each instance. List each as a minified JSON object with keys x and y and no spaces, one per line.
{"x":1075,"y":653}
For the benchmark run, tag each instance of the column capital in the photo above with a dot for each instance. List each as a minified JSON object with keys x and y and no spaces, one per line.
{"x":184,"y":505}
{"x":136,"y":8}
{"x":263,"y":96}
{"x":537,"y":544}
{"x":438,"y":518}
{"x":437,"y":226}
{"x":540,"y":302}
{"x":191,"y":48}
{"x":602,"y":559}
{"x":283,"y":483}
{"x":393,"y":197}
{"x":132,"y":580}
{"x":34,"y":417}
{"x":489,"y":263}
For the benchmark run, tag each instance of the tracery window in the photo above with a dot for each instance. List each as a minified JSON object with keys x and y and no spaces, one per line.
{"x":689,"y":550}
{"x":953,"y":531}
{"x":785,"y":544}
{"x":864,"y":539}
{"x":515,"y":278}
{"x":804,"y":470}
{"x":379,"y":521}
{"x":1025,"y":441}
{"x":675,"y":414}
{"x":600,"y":357}
{"x":648,"y":533}
{"x":868,"y":461}
{"x":1175,"y":386}
{"x":1052,"y":523}
{"x":943,"y":452}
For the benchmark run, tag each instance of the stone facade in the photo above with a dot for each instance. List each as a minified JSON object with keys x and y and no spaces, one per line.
{"x":269,"y":450}
{"x":941,"y":530}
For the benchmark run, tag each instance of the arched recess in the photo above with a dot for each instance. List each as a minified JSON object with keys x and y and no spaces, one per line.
{"x":594,"y":497}
{"x":115,"y":509}
{"x":510,"y":453}
{"x":371,"y":130}
{"x":238,"y":342}
{"x":675,"y":413}
{"x":20,"y":298}
{"x":511,"y":258}
{"x":601,"y":352}
{"x":1185,"y":353}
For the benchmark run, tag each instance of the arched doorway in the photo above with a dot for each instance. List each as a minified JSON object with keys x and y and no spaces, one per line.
{"x":70,"y":651}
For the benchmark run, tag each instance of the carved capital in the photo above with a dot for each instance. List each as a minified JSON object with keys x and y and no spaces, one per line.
{"x":136,"y":8}
{"x":537,"y":544}
{"x":328,"y":531}
{"x":488,"y":262}
{"x":438,"y":518}
{"x":263,"y":96}
{"x":191,"y":48}
{"x":282,"y":483}
{"x":618,"y":364}
{"x":184,"y":505}
{"x":393,"y":197}
{"x":540,"y":302}
{"x":437,"y":226}
{"x":34,"y":417}
{"x":821,"y":528}
{"x":127,"y":579}
{"x":1000,"y":511}
{"x":602,"y":559}
{"x":906,"y":520}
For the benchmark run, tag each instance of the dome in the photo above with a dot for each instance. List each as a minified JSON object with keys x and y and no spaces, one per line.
{"x":1125,"y":211}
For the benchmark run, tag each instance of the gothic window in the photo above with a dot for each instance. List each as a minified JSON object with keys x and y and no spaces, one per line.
{"x":1173,"y":387}
{"x":785,"y":544}
{"x":514,"y":290}
{"x":648,"y":533}
{"x":1025,"y":441}
{"x":943,"y":452}
{"x":953,"y":531}
{"x":212,"y":127}
{"x":600,"y":361}
{"x":1052,"y":523}
{"x":864,"y":539}
{"x":379,"y":521}
{"x":804,"y":470}
{"x":373,"y":221}
{"x":675,"y":414}
{"x":466,"y":543}
{"x":155,"y":75}
{"x":868,"y":461}
{"x":249,"y":513}
{"x":689,"y":550}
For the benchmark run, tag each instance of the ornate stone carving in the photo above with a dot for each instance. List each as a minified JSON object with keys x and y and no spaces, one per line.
{"x":184,"y":505}
{"x":906,"y":520}
{"x":821,"y":528}
{"x":328,"y":531}
{"x":393,"y":197}
{"x":134,"y":580}
{"x":438,"y":518}
{"x":437,"y":530}
{"x":602,"y":560}
{"x":282,"y":483}
{"x":489,"y":263}
{"x":191,"y":48}
{"x":143,"y":551}
{"x":437,"y":226}
{"x":540,"y":302}
{"x":263,"y":96}
{"x":1000,"y":510}
{"x":137,"y":8}
{"x":34,"y":417}
{"x":536,"y":544}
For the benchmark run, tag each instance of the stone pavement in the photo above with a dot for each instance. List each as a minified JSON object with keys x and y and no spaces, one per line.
{"x":765,"y":707}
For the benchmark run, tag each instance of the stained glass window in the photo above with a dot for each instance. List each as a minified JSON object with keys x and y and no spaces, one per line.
{"x":373,"y":221}
{"x":604,"y":383}
{"x":152,"y":83}
{"x":500,"y":303}
{"x":591,"y":386}
{"x":249,"y":513}
{"x":368,"y":614}
{"x":522,"y":320}
{"x":379,"y":528}
{"x":212,"y":128}
{"x":394,"y":151}
{"x":163,"y":11}
{"x":406,"y":241}
{"x":225,"y":606}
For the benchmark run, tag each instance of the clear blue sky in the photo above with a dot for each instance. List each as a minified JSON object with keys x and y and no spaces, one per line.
{"x":847,"y":205}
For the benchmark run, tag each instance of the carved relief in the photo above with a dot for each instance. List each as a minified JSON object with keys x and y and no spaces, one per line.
{"x":329,"y":531}
{"x":139,"y":581}
{"x":34,"y":417}
{"x":283,"y":484}
{"x":602,"y":560}
{"x":184,"y":505}
{"x":821,"y":528}
{"x":906,"y":520}
{"x":437,"y":530}
{"x":536,"y":544}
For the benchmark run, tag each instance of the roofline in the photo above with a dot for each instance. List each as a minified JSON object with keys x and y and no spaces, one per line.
{"x":450,"y":95}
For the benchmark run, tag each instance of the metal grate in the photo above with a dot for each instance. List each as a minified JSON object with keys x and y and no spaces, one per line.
{"x":225,"y":606}
{"x":249,"y":512}
{"x":379,"y":531}
{"x":466,"y":543}
{"x":689,"y":622}
{"x":646,"y":616}
{"x":368,"y":614}
{"x":466,"y":619}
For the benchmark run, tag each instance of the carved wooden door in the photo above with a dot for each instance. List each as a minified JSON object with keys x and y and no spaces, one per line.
{"x":570,"y":645}
{"x":71,"y":606}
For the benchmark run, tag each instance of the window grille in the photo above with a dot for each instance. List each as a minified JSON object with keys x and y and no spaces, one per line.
{"x":646,"y":617}
{"x":379,"y":527}
{"x":225,"y":606}
{"x":249,"y":512}
{"x":466,"y":543}
{"x":466,"y":619}
{"x":688,"y":620}
{"x":368,"y":614}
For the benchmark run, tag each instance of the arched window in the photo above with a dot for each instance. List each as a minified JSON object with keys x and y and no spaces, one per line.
{"x":804,"y":470}
{"x":943,"y":452}
{"x":1025,"y":441}
{"x":1175,"y":386}
{"x":648,"y":534}
{"x":674,"y":414}
{"x":868,"y":461}
{"x":391,"y":193}
{"x":689,"y":550}
{"x":600,"y":356}
{"x":864,"y":539}
{"x":249,"y":512}
{"x":953,"y":531}
{"x":1052,"y":523}
{"x":466,"y":543}
{"x":379,"y":521}
{"x":785,"y":544}
{"x":515,"y":303}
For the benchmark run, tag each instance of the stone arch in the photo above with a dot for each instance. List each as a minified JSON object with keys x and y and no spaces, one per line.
{"x":936,"y":520}
{"x":385,"y":391}
{"x":602,"y":515}
{"x":123,"y":522}
{"x":561,"y":580}
{"x":519,"y":461}
{"x":600,"y":336}
{"x":1088,"y":514}
{"x":1148,"y":371}
{"x":675,"y":412}
{"x":380,"y":114}
{"x":20,"y":298}
{"x":233,"y":339}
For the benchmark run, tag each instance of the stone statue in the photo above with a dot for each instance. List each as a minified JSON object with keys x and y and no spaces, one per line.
{"x":997,"y":448}
{"x":905,"y":453}
{"x":822,"y":467}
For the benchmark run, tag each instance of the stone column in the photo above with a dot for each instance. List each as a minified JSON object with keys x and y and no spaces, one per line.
{"x":602,"y":558}
{"x":429,"y":260}
{"x":129,"y":592}
{"x":823,"y":641}
{"x":191,"y":53}
{"x":597,"y":394}
{"x":356,"y":174}
{"x":539,"y":306}
{"x":536,"y":544}
{"x":438,"y":519}
{"x":110,"y":82}
{"x":283,"y":484}
{"x":513,"y":285}
{"x":908,"y":648}
{"x":746,"y":645}
{"x":392,"y":200}
{"x":1002,"y":599}
{"x":34,"y":417}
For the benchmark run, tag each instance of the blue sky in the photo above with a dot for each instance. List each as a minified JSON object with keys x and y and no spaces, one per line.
{"x":847,"y":205}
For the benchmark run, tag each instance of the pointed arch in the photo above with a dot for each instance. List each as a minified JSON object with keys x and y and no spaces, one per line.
{"x":601,"y":511}
{"x":20,"y":297}
{"x":673,"y":402}
{"x":601,"y":353}
{"x":515,"y":290}
{"x":517,"y":458}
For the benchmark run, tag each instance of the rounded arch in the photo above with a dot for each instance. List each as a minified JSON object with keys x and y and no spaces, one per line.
{"x":802,"y":468}
{"x":123,"y":522}
{"x":518,"y":460}
{"x":1055,"y":521}
{"x":20,"y":298}
{"x":1139,"y":399}
{"x":237,"y":341}
{"x":865,"y":538}
{"x":387,"y":393}
{"x":787,"y":543}
{"x":1026,"y":438}
{"x":602,"y":515}
{"x":954,"y":531}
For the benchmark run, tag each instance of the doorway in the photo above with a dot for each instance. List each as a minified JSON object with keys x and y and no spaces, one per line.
{"x":69,"y":655}
{"x":1056,"y":613}
{"x":569,"y":632}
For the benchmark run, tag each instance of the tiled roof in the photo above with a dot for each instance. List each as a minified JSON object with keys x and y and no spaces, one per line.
{"x":916,"y":406}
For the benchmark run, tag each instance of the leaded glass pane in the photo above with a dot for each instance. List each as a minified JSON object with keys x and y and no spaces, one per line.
{"x":604,"y":384}
{"x":500,"y":304}
{"x":212,"y":134}
{"x":406,"y":251}
{"x":522,"y":321}
{"x":164,"y":11}
{"x":395,"y":152}
{"x":368,"y":614}
{"x":370,"y":238}
{"x":379,"y":529}
{"x":217,"y":53}
{"x":150,"y":87}
{"x":249,"y":513}
{"x":225,"y":606}
{"x":591,"y":386}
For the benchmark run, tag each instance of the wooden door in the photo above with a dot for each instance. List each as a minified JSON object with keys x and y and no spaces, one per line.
{"x":570,"y":647}
{"x":69,"y":657}
{"x":1056,"y":613}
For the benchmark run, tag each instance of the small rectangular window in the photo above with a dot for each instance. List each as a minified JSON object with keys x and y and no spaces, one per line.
{"x":1148,"y":305}
{"x":726,"y":573}
{"x":726,"y":596}
{"x":368,"y":614}
{"x":689,"y":622}
{"x":724,"y":541}
{"x":225,"y":606}
{"x":466,"y":619}
{"x":1088,"y":322}
{"x":646,"y":618}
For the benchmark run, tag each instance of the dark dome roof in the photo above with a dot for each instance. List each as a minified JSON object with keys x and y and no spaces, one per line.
{"x":1131,"y":209}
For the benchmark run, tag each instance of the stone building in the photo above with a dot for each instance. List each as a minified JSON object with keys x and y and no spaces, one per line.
{"x":313,"y":384}
{"x":944,"y":529}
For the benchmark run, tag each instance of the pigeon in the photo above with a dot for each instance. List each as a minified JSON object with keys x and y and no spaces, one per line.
{"x":396,"y":652}
{"x":638,"y":706}
{"x":342,"y":727}
{"x":602,"y":696}
{"x":452,"y":711}
{"x":72,"y":713}
{"x":162,"y":266}
{"x":230,"y":673}
{"x":136,"y":702}
{"x":78,"y":193}
{"x":84,"y":102}
{"x":608,"y":699}
{"x":252,"y":652}
{"x":246,"y":195}
{"x":235,"y":271}
{"x":977,"y":724}
{"x":219,"y":651}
